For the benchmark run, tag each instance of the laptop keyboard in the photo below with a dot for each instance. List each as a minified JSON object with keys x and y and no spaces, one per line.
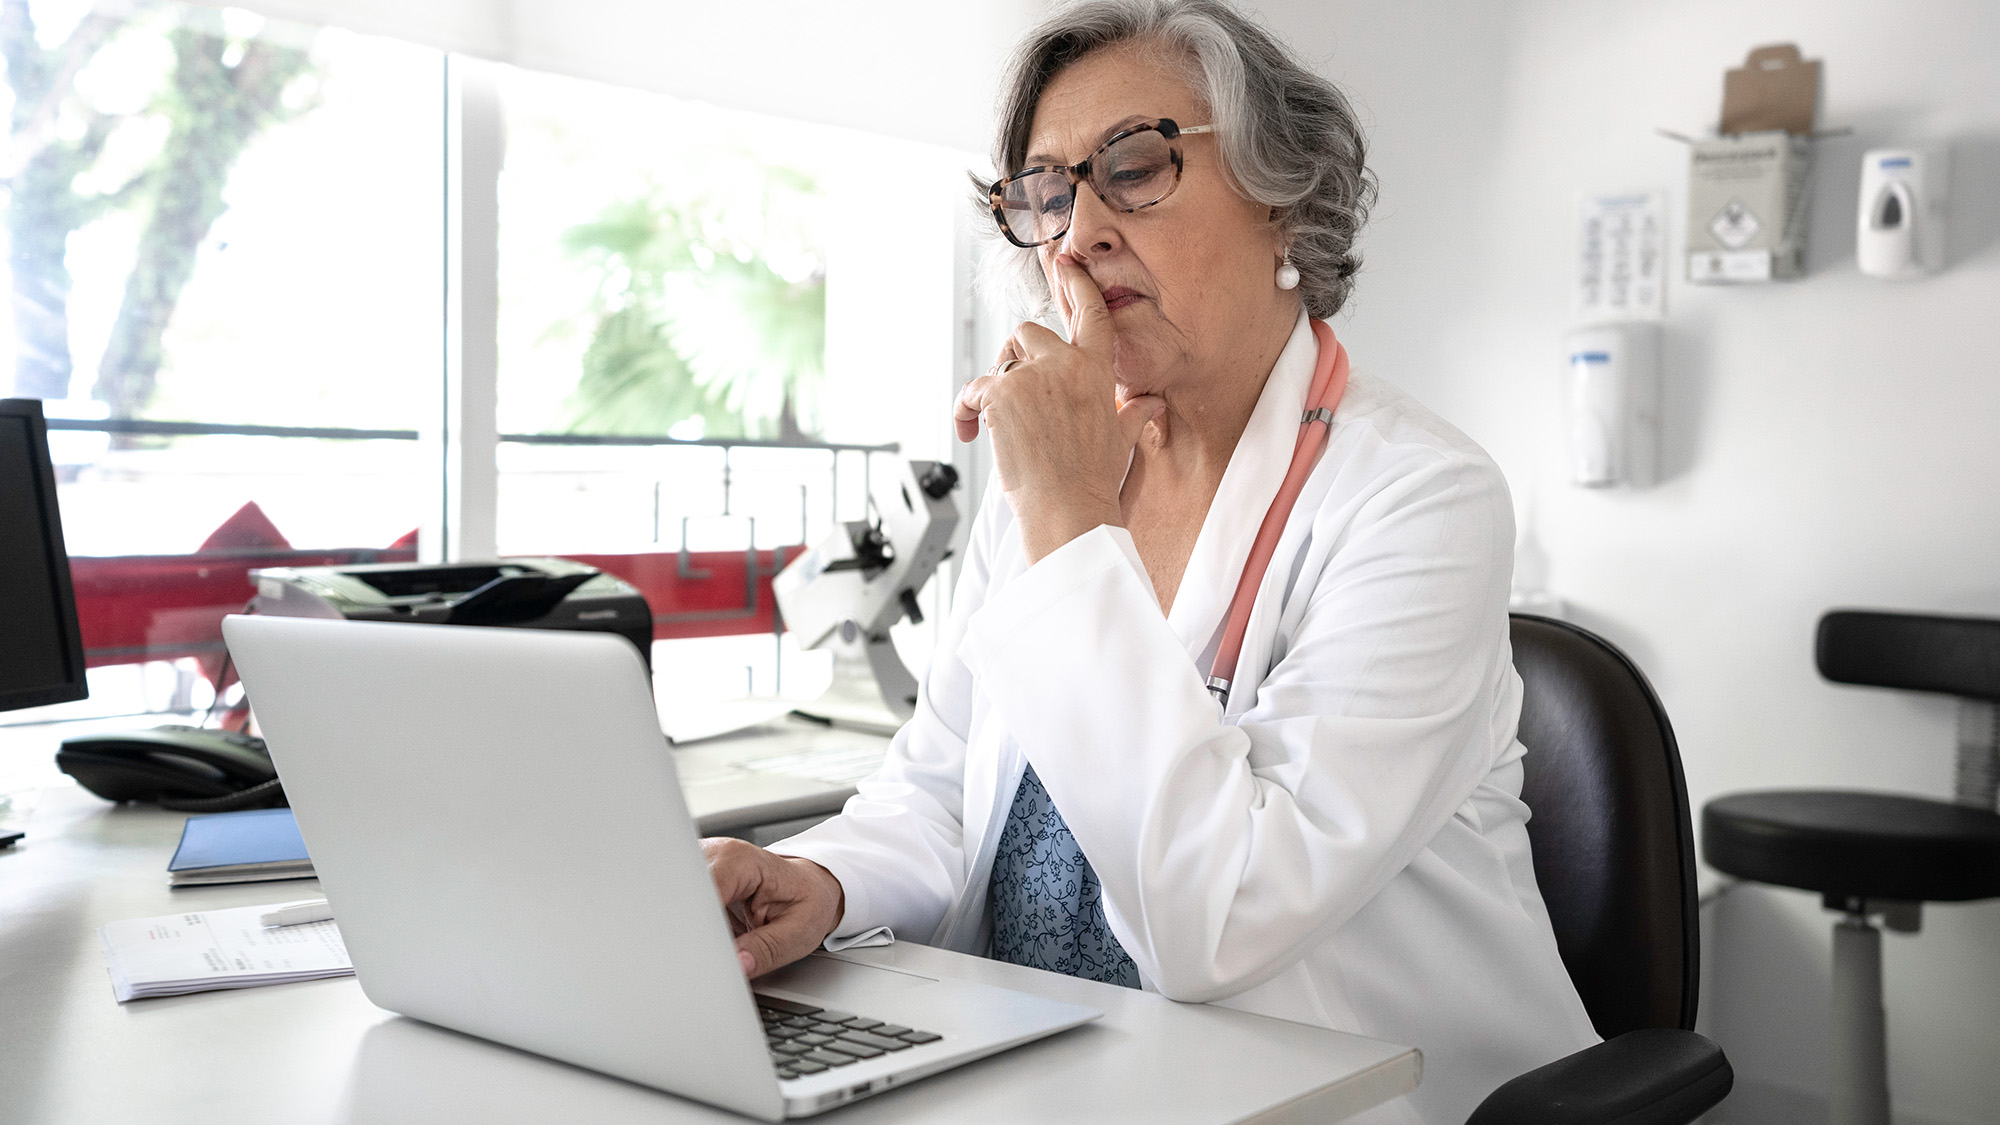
{"x":807,"y":1040}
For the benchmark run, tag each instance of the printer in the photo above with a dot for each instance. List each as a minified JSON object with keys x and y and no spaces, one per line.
{"x":526,"y":593}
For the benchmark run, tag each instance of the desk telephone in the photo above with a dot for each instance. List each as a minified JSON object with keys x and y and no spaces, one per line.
{"x":189,"y":769}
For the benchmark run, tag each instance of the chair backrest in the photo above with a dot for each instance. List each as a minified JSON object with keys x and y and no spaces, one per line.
{"x":1913,"y":651}
{"x":1609,"y":823}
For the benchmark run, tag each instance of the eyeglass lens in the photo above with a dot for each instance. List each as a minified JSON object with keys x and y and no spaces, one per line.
{"x":1130,"y":173}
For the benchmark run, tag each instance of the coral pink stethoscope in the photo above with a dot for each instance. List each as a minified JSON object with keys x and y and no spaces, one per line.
{"x":1329,"y":382}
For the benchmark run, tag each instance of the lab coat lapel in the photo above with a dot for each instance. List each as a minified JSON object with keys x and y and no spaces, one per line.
{"x":1256,"y":470}
{"x":994,"y":766}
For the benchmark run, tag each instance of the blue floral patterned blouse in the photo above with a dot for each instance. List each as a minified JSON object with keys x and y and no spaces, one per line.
{"x":1048,"y":909}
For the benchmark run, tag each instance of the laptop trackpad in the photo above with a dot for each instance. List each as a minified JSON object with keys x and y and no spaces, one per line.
{"x":835,"y":983}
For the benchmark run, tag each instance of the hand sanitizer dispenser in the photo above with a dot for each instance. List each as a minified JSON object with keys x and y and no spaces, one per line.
{"x":1901,"y":222}
{"x":1613,"y":404}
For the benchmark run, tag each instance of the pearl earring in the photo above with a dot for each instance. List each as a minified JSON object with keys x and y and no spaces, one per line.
{"x":1288,"y":274}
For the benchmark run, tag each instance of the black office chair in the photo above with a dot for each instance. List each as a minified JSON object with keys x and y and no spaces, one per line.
{"x":1878,"y":853}
{"x":1614,"y":854}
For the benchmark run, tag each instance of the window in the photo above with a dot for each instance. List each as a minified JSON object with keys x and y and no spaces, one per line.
{"x":230,"y":272}
{"x":222,"y":232}
{"x":227,"y":223}
{"x":668,"y":273}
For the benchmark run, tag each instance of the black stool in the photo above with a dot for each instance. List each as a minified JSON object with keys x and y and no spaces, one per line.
{"x":1879,"y":853}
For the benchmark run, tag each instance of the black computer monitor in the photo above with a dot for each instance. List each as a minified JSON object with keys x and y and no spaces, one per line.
{"x":41,"y":650}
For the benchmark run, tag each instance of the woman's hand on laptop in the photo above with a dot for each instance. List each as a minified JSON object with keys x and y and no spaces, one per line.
{"x":780,"y":908}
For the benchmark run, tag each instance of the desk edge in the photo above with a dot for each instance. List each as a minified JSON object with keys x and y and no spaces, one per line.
{"x":1345,"y":1097}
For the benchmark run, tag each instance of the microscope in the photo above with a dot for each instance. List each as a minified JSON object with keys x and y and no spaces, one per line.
{"x":846,"y":592}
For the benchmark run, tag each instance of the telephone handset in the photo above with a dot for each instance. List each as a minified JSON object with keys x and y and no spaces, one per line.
{"x":185,"y":768}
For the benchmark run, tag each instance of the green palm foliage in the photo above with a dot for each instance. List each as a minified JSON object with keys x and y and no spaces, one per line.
{"x":694,"y":320}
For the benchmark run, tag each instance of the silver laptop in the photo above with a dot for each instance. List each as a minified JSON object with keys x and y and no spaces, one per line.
{"x":497,"y":821}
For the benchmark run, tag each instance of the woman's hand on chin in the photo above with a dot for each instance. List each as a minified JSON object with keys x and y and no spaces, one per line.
{"x":1061,"y":439}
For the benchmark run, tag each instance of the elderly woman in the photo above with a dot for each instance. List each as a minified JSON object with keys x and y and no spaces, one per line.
{"x":1329,"y":831}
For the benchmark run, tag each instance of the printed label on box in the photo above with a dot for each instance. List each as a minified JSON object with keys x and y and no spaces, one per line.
{"x":1726,"y":266}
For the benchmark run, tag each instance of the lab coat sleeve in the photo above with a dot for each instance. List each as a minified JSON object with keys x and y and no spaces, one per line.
{"x":1226,"y":848}
{"x":898,"y":845}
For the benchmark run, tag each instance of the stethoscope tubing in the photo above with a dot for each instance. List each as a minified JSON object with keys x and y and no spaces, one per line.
{"x":1329,"y":383}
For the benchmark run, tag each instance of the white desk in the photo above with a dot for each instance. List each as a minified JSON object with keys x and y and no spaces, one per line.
{"x":729,"y":797}
{"x":319,"y":1052}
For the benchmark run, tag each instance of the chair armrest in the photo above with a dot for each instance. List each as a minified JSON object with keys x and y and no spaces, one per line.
{"x":1653,"y":1076}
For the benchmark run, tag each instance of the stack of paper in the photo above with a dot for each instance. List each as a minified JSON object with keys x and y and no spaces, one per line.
{"x":240,"y":847}
{"x":217,"y":949}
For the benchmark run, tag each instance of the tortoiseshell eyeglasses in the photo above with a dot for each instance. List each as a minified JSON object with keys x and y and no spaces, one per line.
{"x":1133,"y":170}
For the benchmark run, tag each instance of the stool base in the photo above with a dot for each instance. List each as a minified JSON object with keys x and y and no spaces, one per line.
{"x":1859,"y":1031}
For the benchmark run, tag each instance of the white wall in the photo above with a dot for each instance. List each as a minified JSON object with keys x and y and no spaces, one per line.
{"x":1829,"y":442}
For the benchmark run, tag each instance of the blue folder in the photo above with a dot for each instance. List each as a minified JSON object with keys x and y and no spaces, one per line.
{"x":242,"y":843}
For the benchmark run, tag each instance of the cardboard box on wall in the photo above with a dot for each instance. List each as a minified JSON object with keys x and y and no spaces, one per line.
{"x":1747,"y":188}
{"x":1746,"y":207}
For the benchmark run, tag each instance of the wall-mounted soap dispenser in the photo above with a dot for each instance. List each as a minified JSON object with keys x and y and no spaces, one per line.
{"x":1612,"y":392}
{"x":1900,"y":230}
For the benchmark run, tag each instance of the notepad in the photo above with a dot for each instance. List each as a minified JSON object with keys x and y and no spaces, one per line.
{"x":240,"y":847}
{"x":181,"y":953}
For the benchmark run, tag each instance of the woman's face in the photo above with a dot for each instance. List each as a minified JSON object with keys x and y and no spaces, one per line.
{"x":1190,"y":280}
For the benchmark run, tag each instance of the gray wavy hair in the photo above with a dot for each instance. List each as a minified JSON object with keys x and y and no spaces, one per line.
{"x":1288,"y":137}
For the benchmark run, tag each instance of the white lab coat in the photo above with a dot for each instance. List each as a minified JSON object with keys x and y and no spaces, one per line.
{"x":1346,"y":845}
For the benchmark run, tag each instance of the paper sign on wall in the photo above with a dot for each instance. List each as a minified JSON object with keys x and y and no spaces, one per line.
{"x":1621,"y":244}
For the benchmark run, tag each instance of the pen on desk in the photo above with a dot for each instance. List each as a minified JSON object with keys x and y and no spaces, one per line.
{"x":298,"y":913}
